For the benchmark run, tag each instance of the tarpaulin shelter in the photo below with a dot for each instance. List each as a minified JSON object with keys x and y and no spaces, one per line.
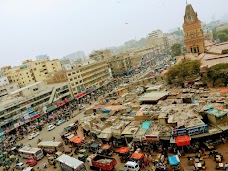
{"x":123,"y":150}
{"x":174,"y":160}
{"x":76,"y":140}
{"x":182,"y":140}
{"x":137,"y":156}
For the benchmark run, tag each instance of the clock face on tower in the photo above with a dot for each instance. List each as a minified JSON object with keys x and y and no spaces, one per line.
{"x":192,"y":34}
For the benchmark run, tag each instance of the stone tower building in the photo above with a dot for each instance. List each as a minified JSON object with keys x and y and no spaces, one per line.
{"x":193,"y":33}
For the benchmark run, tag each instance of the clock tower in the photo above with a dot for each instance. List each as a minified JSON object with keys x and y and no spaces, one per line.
{"x":193,"y":33}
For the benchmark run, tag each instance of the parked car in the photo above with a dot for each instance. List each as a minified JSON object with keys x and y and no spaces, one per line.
{"x":31,"y":162}
{"x":60,"y":122}
{"x":28,"y":169}
{"x":20,"y":166}
{"x":82,"y":107}
{"x":50,"y":127}
{"x":130,"y":166}
{"x":33,"y":135}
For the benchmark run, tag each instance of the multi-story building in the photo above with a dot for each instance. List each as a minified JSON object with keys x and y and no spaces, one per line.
{"x":156,"y":34}
{"x":4,"y":81}
{"x":15,"y":109}
{"x":194,"y":37}
{"x":86,"y":78}
{"x":157,"y":41}
{"x":120,"y":65}
{"x":7,"y":89}
{"x":41,"y":68}
{"x":100,"y":55}
{"x":31,"y":71}
{"x":66,"y":64}
{"x":22,"y":75}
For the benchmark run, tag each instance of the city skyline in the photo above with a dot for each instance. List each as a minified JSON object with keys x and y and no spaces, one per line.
{"x":58,"y":28}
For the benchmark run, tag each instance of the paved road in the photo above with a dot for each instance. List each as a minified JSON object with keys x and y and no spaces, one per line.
{"x":48,"y":135}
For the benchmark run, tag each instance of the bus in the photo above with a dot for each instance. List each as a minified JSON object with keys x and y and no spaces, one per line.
{"x":51,"y":146}
{"x":29,"y":152}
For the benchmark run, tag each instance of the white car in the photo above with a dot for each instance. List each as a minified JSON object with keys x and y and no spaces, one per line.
{"x":28,"y":169}
{"x":50,"y":127}
{"x":82,"y":107}
{"x":60,"y":122}
{"x":33,"y":135}
{"x":20,"y":166}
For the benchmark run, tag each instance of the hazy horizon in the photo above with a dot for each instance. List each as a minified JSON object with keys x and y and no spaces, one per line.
{"x":58,"y":28}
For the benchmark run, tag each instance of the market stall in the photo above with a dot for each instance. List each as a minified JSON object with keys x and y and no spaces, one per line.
{"x":182,"y":140}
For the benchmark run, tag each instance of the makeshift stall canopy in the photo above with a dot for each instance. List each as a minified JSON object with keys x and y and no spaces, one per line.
{"x":137,"y":156}
{"x":182,"y":140}
{"x":123,"y":150}
{"x":76,"y":139}
{"x":174,"y":160}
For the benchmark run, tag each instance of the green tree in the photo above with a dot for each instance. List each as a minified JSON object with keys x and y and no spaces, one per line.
{"x":186,"y":70}
{"x":223,"y":37}
{"x":218,"y":74}
{"x":176,"y":49}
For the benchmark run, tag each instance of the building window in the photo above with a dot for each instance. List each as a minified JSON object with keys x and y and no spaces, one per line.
{"x":35,"y":89}
{"x":71,"y":79}
{"x":69,"y":74}
{"x":34,"y":69}
{"x":73,"y":72}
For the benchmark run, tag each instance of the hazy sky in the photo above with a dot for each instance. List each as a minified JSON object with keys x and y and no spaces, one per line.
{"x":60,"y":27}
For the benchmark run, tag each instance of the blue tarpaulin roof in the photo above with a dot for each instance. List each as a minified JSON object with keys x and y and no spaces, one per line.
{"x":146,"y":125}
{"x":174,"y":160}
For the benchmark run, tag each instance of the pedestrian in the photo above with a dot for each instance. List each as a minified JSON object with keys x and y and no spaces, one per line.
{"x":143,"y":165}
{"x":150,"y":158}
{"x":178,"y":153}
{"x":54,"y":164}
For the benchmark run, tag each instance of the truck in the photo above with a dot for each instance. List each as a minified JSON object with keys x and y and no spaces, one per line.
{"x":101,"y":162}
{"x":68,"y":163}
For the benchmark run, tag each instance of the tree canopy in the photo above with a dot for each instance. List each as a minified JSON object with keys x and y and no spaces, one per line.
{"x":176,"y":49}
{"x":222,"y":35}
{"x":186,"y":70}
{"x":218,"y":74}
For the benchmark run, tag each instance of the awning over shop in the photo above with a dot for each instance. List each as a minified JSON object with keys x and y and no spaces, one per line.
{"x":182,"y":140}
{"x":51,"y":108}
{"x":137,"y":156}
{"x":76,"y":139}
{"x":80,"y":95}
{"x":174,"y":160}
{"x":123,"y":150}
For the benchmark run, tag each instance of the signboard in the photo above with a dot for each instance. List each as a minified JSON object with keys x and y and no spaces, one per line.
{"x":34,"y":117}
{"x":179,"y":132}
{"x":152,"y":138}
{"x":80,"y":95}
{"x":198,"y":130}
{"x":190,"y":131}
